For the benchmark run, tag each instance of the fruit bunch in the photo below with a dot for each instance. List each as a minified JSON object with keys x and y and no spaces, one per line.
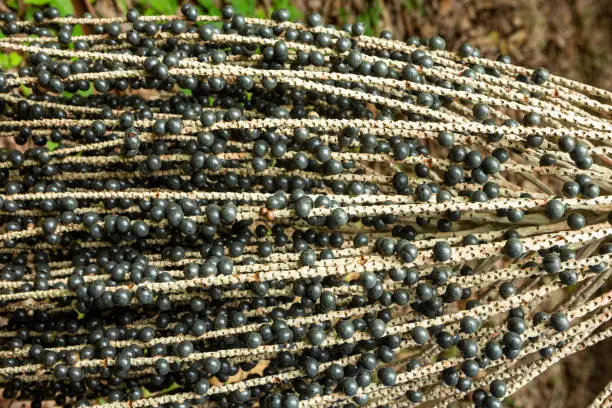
{"x":205,"y":211}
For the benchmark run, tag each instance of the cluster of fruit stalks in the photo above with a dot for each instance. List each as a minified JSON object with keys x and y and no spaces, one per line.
{"x":228,"y":211}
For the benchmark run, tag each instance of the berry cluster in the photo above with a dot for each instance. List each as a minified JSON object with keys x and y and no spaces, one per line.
{"x":236,"y":212}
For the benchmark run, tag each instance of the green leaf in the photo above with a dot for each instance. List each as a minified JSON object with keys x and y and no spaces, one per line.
{"x":87,"y":92}
{"x":15,"y":59}
{"x":64,"y":6}
{"x":294,"y":12}
{"x":342,"y":15}
{"x":172,"y":387}
{"x":77,"y":31}
{"x":122,"y":5}
{"x":417,"y":5}
{"x":10,"y":60}
{"x":260,"y":13}
{"x":25,"y":90}
{"x":371,"y":18}
{"x":164,"y":6}
{"x":210,"y":7}
{"x":243,"y":7}
{"x":29,"y":14}
{"x":37,"y":2}
{"x":52,"y":145}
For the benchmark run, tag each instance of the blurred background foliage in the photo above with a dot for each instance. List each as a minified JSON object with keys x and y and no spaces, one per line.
{"x":572,"y":38}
